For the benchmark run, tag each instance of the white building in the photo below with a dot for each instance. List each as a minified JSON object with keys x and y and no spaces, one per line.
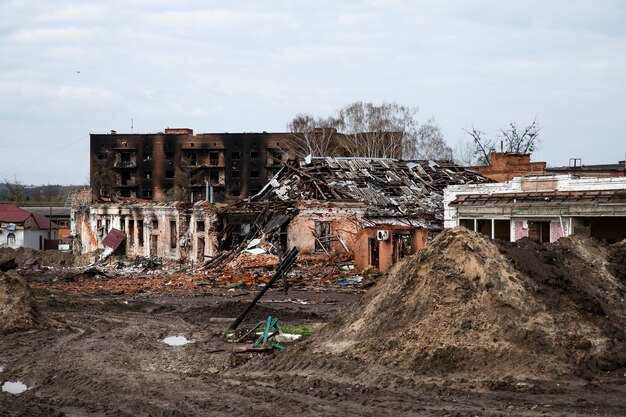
{"x":21,"y":228}
{"x":541,"y":207}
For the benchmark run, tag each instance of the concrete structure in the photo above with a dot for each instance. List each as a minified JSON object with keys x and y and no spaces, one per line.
{"x":20,"y":228}
{"x":506,"y":166}
{"x":541,"y":207}
{"x":176,"y":165}
{"x":174,"y":230}
{"x":379,"y":209}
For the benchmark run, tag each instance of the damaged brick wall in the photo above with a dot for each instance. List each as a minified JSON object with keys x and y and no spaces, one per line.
{"x":382,"y":254}
{"x":343,"y":228}
{"x":165,"y":230}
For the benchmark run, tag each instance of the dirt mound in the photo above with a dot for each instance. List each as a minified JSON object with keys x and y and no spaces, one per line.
{"x":26,"y":258}
{"x":471,"y":306}
{"x":18,"y":309}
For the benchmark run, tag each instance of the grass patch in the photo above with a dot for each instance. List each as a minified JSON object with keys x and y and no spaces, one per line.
{"x":303,"y":330}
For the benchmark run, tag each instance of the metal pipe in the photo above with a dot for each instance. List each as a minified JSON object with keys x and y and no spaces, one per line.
{"x":283,"y":268}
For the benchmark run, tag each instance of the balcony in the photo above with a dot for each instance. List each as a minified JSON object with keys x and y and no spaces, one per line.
{"x":127,"y":183}
{"x":125,"y":164}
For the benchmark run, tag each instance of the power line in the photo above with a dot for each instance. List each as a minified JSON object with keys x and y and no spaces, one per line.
{"x":44,"y":155}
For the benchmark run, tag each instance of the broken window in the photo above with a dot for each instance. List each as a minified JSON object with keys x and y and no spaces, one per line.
{"x":254,"y":174}
{"x":173,"y":234}
{"x":402,"y":245}
{"x":192,"y":158}
{"x":147,"y":175}
{"x":323,"y":237}
{"x":147,"y":156}
{"x":122,"y":223}
{"x":214,"y":177}
{"x":200,"y":226}
{"x":140,"y":233}
{"x":214,"y":158}
{"x":169,"y":156}
{"x":236,"y":174}
{"x":374,"y":252}
{"x":234,"y":155}
{"x":147,"y":193}
{"x":254,"y":154}
{"x":169,"y":174}
{"x":131,"y":232}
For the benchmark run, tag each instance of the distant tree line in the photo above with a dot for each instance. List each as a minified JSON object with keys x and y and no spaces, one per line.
{"x":15,"y":191}
{"x":391,"y":129}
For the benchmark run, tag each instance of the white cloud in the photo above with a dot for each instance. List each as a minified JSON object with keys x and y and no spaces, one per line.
{"x":249,"y":65}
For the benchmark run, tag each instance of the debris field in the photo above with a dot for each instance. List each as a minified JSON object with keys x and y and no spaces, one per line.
{"x":465,"y":327}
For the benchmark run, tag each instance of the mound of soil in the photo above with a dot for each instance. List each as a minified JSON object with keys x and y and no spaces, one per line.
{"x":469,"y":305}
{"x":25,"y":258}
{"x":18,"y":309}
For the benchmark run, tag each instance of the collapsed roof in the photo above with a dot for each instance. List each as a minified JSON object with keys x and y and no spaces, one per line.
{"x":386,"y":187}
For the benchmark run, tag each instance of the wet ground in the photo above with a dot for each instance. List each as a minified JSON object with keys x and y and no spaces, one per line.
{"x":106,"y":357}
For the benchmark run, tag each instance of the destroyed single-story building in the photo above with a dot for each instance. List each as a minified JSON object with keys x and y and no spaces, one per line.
{"x":544,"y":207}
{"x":170,"y":230}
{"x":379,"y":209}
{"x":20,"y":228}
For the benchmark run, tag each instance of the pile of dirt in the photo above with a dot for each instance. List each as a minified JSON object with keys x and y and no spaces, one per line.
{"x":468,"y":305}
{"x":22,"y":258}
{"x":18,"y":309}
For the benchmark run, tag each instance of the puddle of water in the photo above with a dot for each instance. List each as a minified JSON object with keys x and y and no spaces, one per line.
{"x":176,"y":340}
{"x":16,"y":387}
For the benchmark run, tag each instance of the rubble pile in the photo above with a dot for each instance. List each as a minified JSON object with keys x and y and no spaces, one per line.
{"x":18,"y":309}
{"x":23,"y":258}
{"x":468,"y":305}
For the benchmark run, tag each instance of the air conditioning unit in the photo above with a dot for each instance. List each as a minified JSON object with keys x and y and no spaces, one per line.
{"x":382,"y":234}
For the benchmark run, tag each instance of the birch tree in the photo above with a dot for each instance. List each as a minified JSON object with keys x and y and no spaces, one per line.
{"x":312,"y":135}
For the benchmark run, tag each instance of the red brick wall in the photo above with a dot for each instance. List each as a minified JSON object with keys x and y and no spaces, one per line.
{"x":505,"y":167}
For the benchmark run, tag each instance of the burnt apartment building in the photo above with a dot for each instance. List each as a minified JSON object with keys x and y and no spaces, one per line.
{"x":178,"y":165}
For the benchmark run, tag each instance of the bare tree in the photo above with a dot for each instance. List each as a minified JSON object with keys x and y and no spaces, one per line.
{"x":513,"y":139}
{"x":16,"y":190}
{"x":429,"y":143}
{"x":312,"y":136}
{"x":389,"y":130}
{"x":483,"y":147}
{"x":377,"y":131}
{"x":521,"y":140}
{"x":464,"y":153}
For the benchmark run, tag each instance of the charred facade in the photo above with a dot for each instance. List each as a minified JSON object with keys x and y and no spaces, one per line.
{"x":178,"y":165}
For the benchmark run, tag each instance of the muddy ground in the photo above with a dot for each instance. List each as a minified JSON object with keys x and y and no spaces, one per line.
{"x":103,"y":356}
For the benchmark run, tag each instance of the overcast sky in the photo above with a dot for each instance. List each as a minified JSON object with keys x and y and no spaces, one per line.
{"x":70,"y":68}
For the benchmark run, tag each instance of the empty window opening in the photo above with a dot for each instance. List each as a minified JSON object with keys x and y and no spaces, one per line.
{"x":131,"y":232}
{"x":214,"y":158}
{"x":502,"y":230}
{"x":254,"y":174}
{"x":11,"y":239}
{"x":147,"y":175}
{"x":467,"y":223}
{"x":147,"y":156}
{"x":234,"y":155}
{"x":140,"y":233}
{"x":199,"y":226}
{"x":169,"y":175}
{"x":173,"y":234}
{"x":254,"y":154}
{"x":323,"y":236}
{"x":147,"y":193}
{"x":192,"y":159}
{"x":236,"y":174}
